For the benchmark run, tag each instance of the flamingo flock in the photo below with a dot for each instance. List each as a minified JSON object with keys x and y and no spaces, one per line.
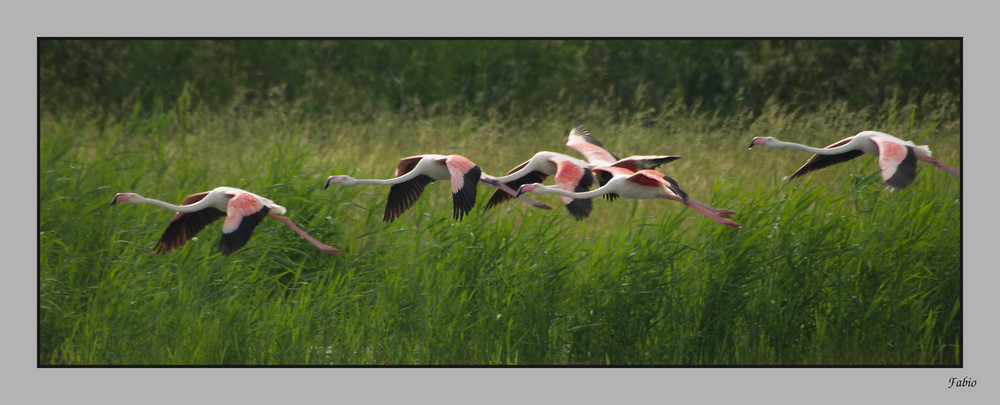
{"x":632,"y":177}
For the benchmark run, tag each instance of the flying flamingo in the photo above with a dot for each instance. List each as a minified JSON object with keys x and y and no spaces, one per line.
{"x":897,"y":158}
{"x":571,"y":174}
{"x":243,"y":211}
{"x":643,"y":184}
{"x":415,"y":172}
{"x":593,"y":150}
{"x":584,"y":142}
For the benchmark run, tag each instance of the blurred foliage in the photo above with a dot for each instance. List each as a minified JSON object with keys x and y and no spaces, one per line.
{"x":355,"y":79}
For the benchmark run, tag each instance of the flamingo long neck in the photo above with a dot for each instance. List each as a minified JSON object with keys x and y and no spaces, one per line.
{"x":529,"y":167}
{"x":197,"y":206}
{"x":385,"y":182}
{"x":572,"y":194}
{"x":381,"y":182}
{"x":511,"y":177}
{"x":831,"y":151}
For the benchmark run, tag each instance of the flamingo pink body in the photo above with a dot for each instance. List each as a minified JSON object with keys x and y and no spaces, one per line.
{"x":416,"y":172}
{"x":643,"y":184}
{"x":570,"y":173}
{"x":243,"y":211}
{"x":897,"y":159}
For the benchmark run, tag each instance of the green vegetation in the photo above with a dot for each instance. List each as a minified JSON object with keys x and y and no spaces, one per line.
{"x":420,"y":78}
{"x":829,"y":269}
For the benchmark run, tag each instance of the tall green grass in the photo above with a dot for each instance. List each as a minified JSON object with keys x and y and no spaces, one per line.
{"x":830,"y":269}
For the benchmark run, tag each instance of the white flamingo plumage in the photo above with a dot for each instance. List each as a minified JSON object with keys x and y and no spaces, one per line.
{"x":415,"y":172}
{"x":642,"y":184}
{"x":897,"y":159}
{"x":243,"y":211}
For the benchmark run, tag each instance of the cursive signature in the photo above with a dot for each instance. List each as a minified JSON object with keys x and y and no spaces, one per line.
{"x":965,"y":382}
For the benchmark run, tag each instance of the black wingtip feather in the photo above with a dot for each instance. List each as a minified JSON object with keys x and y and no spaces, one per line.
{"x":906,"y":172}
{"x":233,"y":241}
{"x":403,"y":195}
{"x":587,"y":136}
{"x":818,"y":161}
{"x":185,"y":227}
{"x":465,"y":198}
{"x":654,"y":163}
{"x":580,"y":208}
{"x":676,"y":188}
{"x":603,"y":177}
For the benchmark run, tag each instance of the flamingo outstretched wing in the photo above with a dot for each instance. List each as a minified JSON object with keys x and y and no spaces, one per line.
{"x":403,"y":195}
{"x":588,"y":146}
{"x":643,"y":162}
{"x":897,"y":161}
{"x":243,"y":214}
{"x":571,"y":177}
{"x":184,"y":226}
{"x":464,"y":180}
{"x":818,"y":161}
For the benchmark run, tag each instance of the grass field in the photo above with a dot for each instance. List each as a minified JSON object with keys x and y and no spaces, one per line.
{"x":829,"y":269}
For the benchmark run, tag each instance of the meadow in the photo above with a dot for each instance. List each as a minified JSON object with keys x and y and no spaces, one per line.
{"x":828,"y":269}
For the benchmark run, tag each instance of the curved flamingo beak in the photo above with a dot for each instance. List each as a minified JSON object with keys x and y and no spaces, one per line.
{"x":521,"y":190}
{"x":114,"y":200}
{"x":759,"y":140}
{"x":327,"y":182}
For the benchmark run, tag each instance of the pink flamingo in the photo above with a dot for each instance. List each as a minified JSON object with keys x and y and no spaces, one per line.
{"x":643,"y":184}
{"x":570,"y":173}
{"x":593,"y":150}
{"x":584,"y":142}
{"x":243,"y":211}
{"x":897,"y":159}
{"x":415,"y":172}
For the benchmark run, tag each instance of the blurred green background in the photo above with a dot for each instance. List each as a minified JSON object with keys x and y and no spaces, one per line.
{"x":356,"y":79}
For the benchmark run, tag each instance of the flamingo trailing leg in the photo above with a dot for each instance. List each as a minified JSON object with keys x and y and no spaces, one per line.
{"x":897,"y":159}
{"x":243,"y":211}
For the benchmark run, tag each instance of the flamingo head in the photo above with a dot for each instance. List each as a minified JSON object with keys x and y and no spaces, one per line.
{"x":342,"y":180}
{"x":528,"y":188}
{"x":760,"y":140}
{"x":124,"y":197}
